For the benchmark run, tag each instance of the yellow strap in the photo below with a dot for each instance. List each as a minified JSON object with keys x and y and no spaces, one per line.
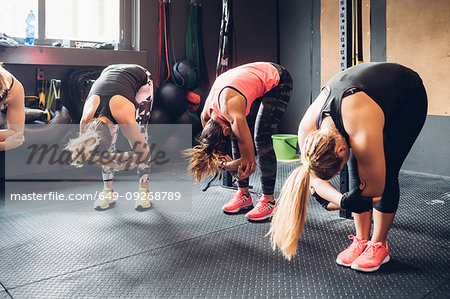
{"x":49,"y":117}
{"x":42,"y":98}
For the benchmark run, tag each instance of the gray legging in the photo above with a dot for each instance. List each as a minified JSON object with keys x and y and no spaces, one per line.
{"x":263,"y":119}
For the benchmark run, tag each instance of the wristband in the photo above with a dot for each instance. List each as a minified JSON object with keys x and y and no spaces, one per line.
{"x":322,"y":201}
{"x":116,"y":168}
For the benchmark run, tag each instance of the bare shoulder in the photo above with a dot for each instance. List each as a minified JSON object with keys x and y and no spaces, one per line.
{"x":89,"y":108}
{"x":308,"y":122}
{"x":16,"y":96}
{"x":361,"y":113}
{"x":232,"y":104}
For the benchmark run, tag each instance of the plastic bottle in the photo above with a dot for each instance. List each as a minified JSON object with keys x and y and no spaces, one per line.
{"x":30,"y":29}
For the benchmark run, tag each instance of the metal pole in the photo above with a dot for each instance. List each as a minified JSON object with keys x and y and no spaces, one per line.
{"x":345,"y":30}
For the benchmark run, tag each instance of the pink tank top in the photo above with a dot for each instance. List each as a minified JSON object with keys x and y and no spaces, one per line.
{"x":252,"y":80}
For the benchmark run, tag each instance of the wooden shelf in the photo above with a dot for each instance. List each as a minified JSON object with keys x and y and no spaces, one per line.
{"x":37,"y":55}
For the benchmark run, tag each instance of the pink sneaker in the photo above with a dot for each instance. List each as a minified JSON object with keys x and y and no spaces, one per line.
{"x":261,"y":211}
{"x":346,"y":257}
{"x":238,"y":202}
{"x":372,"y":258}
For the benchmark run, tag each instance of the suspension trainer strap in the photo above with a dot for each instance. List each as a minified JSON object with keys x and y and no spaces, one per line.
{"x":194,"y":42}
{"x":359,"y":30}
{"x":158,"y":63}
{"x":226,"y":37}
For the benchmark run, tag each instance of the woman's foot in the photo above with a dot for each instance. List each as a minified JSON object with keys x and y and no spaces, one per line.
{"x":346,"y":257}
{"x":105,"y":200}
{"x":263,"y":210}
{"x":143,"y":202}
{"x":239,"y":202}
{"x":372,"y":258}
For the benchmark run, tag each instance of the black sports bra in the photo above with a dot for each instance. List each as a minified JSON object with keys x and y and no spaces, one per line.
{"x":103,"y":108}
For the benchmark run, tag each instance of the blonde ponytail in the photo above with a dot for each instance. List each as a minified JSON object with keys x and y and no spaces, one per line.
{"x":318,"y":158}
{"x":290,"y":214}
{"x":88,"y":140}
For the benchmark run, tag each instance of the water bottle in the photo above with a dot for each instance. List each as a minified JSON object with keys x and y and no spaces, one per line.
{"x":30,"y":29}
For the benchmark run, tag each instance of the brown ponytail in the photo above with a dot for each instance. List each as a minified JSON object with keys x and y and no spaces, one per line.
{"x":318,"y":158}
{"x":206,"y":157}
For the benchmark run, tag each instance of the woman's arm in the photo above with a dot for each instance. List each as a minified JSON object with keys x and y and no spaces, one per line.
{"x":327,"y":191}
{"x":12,"y":137}
{"x":308,"y":122}
{"x":233,"y":108}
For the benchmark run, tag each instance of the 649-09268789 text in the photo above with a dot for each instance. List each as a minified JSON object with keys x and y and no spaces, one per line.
{"x":58,"y":196}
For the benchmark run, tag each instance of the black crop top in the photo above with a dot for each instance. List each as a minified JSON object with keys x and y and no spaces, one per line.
{"x":118,"y":79}
{"x":383,"y":82}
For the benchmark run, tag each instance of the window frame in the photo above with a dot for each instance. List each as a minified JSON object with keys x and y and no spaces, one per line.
{"x":128,"y":26}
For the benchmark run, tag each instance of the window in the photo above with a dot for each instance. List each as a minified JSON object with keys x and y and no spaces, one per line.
{"x":75,"y":20}
{"x":13,"y":15}
{"x":87,"y":20}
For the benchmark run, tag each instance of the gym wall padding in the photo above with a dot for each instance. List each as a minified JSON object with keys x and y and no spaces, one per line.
{"x":299,"y":51}
{"x":418,"y":37}
{"x":329,"y":37}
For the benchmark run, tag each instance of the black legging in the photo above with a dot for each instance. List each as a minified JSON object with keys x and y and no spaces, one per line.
{"x":264,"y":116}
{"x":399,"y":136}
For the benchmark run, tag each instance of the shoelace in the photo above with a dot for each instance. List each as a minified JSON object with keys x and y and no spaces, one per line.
{"x":263,"y":206}
{"x":371,"y":246}
{"x":359,"y":244}
{"x":239,"y":198}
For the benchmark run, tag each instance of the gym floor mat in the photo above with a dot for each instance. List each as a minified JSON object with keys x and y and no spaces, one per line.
{"x":206,"y":253}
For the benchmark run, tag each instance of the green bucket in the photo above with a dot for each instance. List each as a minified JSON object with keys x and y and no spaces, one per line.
{"x":285,"y":146}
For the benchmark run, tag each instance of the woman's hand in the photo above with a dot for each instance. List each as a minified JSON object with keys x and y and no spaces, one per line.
{"x":355,"y":202}
{"x":244,"y":172}
{"x":241,"y":169}
{"x":15,"y":140}
{"x":230,"y":164}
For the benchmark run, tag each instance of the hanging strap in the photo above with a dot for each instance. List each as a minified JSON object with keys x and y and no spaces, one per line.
{"x":359,"y":30}
{"x":166,"y":47}
{"x":192,"y":35}
{"x":225,"y":42}
{"x":163,"y":67}
{"x":194,"y":42}
{"x":158,"y":64}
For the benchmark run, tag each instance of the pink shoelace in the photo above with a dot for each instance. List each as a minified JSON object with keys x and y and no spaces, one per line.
{"x":371,"y":248}
{"x":359,"y":244}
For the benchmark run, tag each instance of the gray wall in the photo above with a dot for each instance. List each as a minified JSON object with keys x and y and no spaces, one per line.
{"x":299,"y":36}
{"x":431,"y":152}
